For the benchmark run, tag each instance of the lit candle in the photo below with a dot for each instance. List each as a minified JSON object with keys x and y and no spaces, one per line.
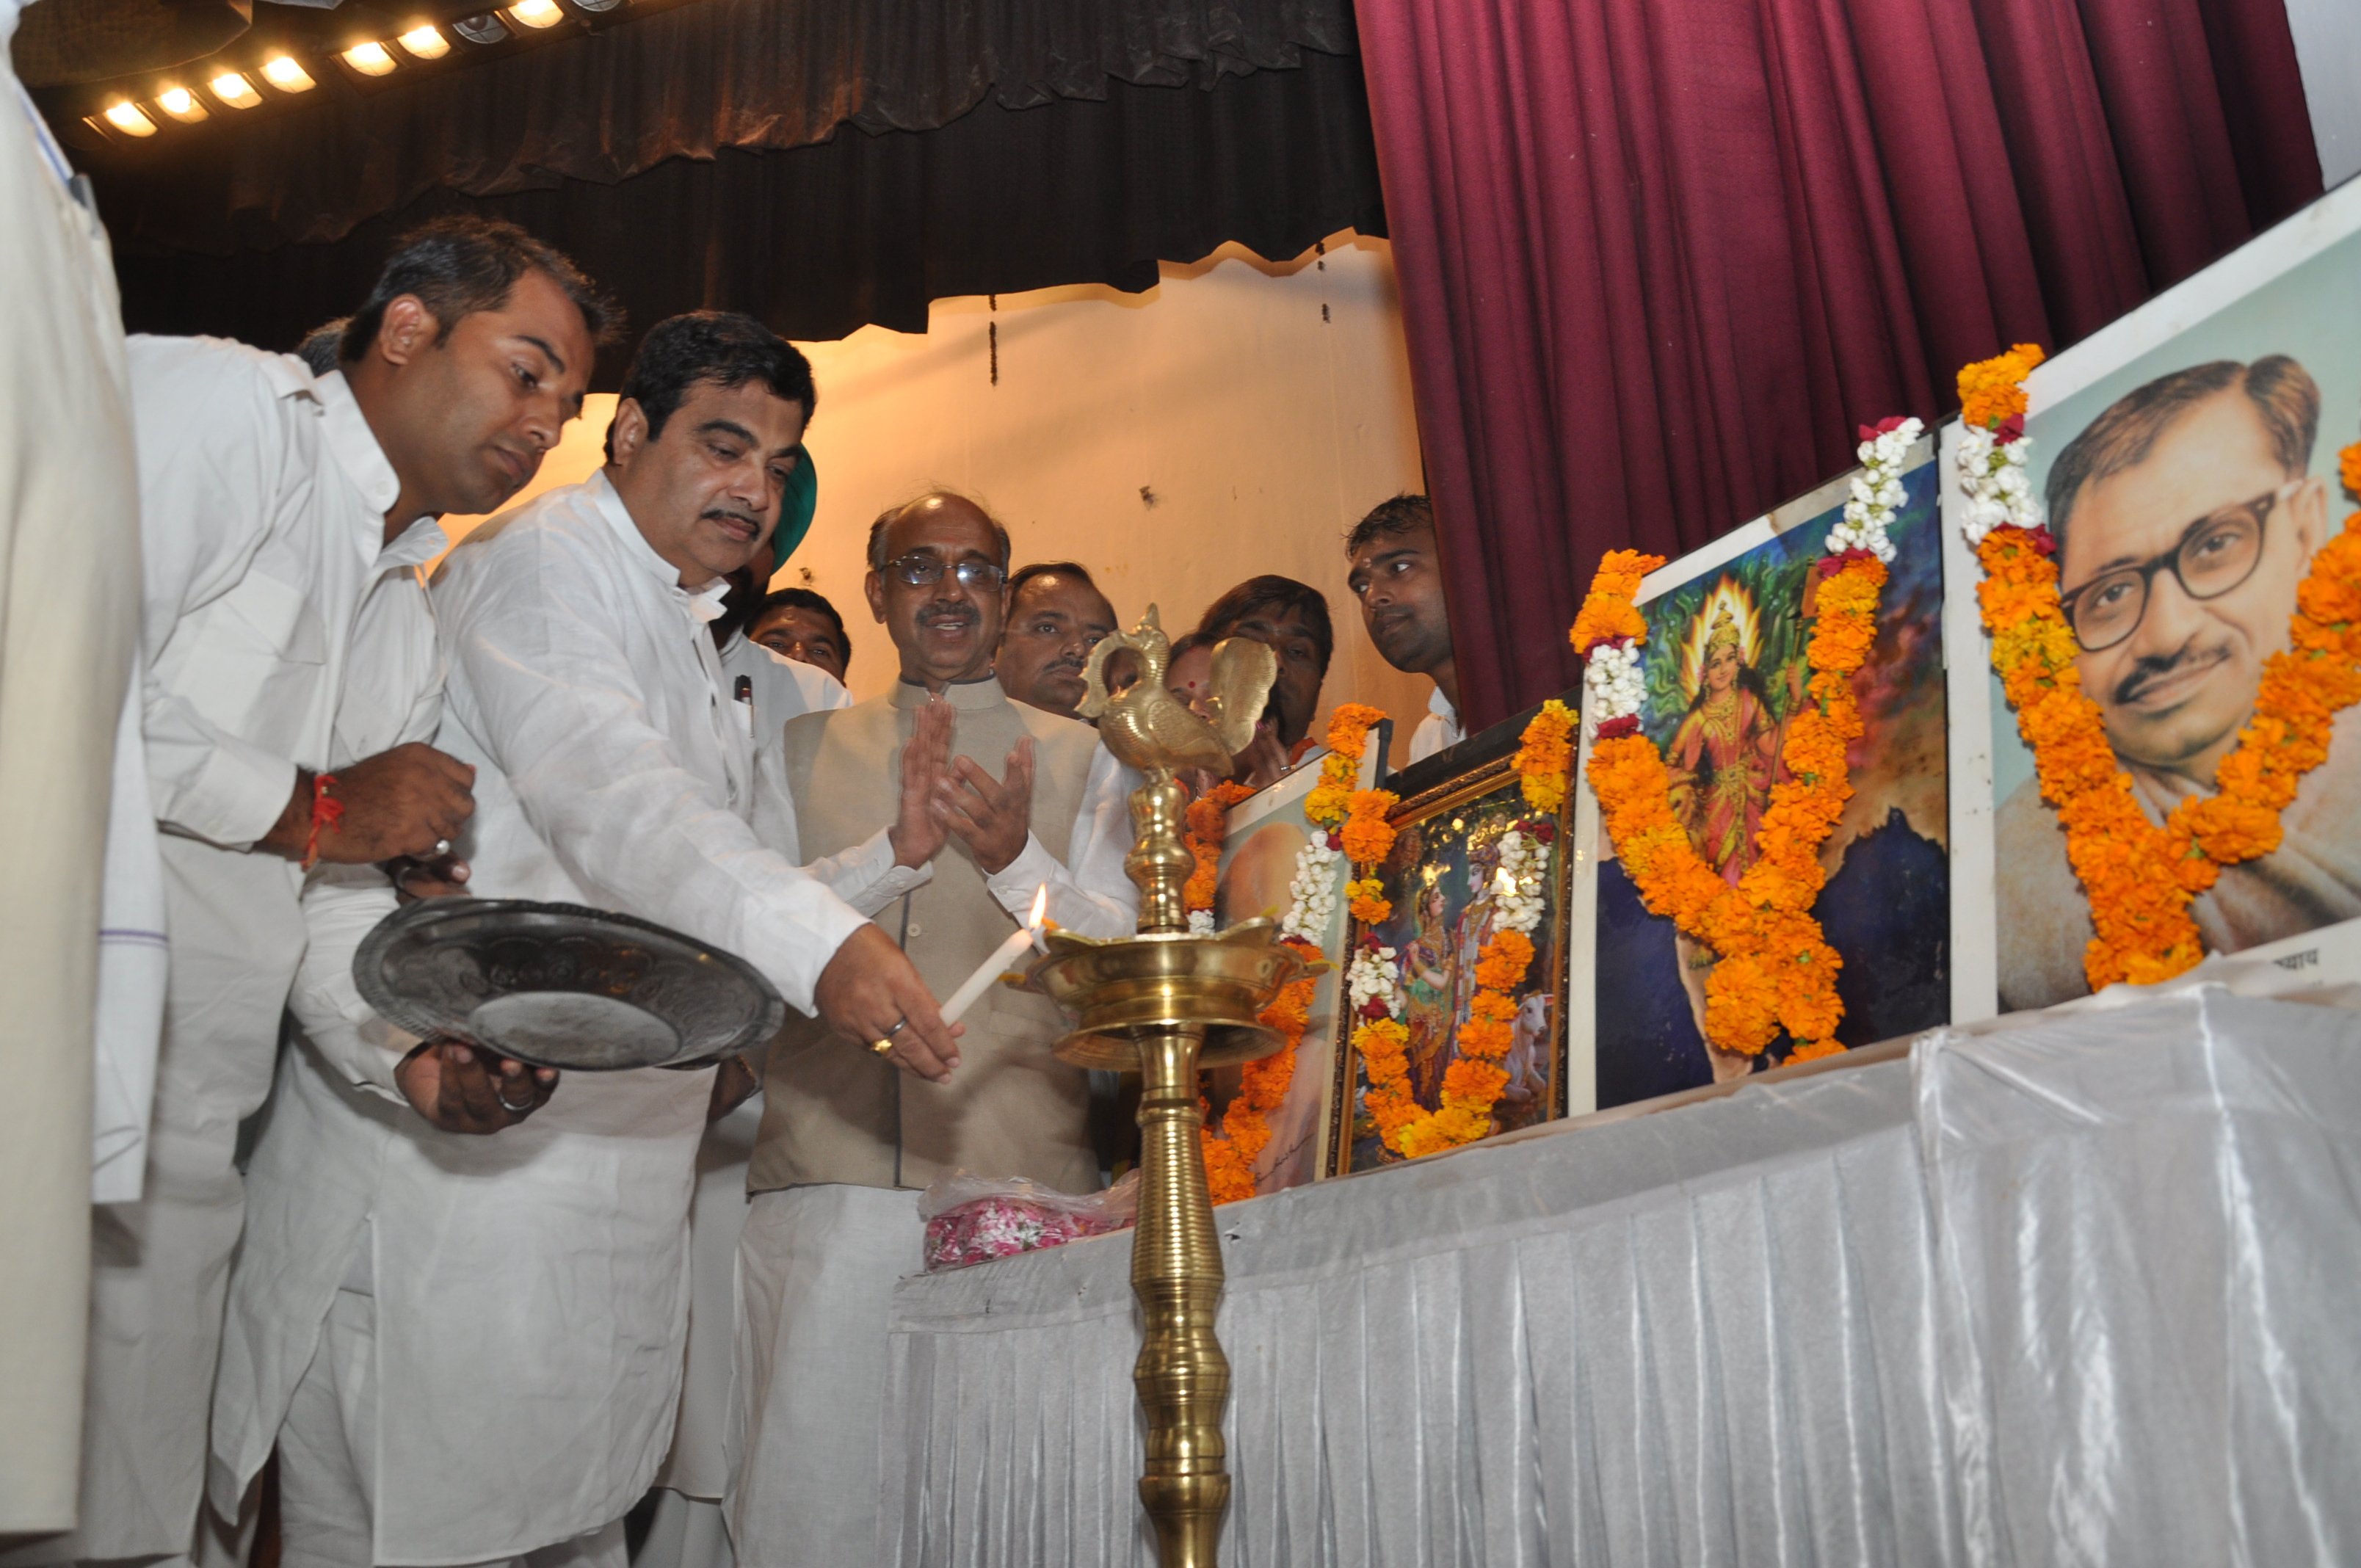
{"x":990,"y":969}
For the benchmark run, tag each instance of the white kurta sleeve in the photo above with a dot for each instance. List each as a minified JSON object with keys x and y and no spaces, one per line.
{"x":545,"y":690}
{"x":341,"y":906}
{"x":1095,"y":897}
{"x":210,"y":446}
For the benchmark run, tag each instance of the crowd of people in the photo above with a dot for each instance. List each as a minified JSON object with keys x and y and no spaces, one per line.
{"x":451,"y":1292}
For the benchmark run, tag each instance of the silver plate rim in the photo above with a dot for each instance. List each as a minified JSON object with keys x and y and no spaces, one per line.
{"x":416,"y":921}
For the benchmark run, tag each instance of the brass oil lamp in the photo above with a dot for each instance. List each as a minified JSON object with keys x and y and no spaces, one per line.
{"x":1163,"y":1004}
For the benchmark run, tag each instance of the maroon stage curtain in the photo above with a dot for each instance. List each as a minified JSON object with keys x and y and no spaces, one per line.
{"x":1659,"y":258}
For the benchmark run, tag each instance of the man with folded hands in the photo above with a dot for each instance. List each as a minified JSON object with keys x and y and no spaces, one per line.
{"x":1030,"y":800}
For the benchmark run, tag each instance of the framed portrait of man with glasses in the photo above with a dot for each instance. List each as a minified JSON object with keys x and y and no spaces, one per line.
{"x":2187,"y":455}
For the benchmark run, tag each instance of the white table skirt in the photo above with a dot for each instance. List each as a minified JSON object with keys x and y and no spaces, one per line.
{"x":2079,"y":1292}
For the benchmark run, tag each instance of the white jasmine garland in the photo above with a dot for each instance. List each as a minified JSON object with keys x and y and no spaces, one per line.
{"x":1995,"y":484}
{"x":1877,"y":493}
{"x":1312,"y":894}
{"x":1517,"y":888}
{"x":1371,"y":976}
{"x":1201,"y":922}
{"x":1611,"y":674}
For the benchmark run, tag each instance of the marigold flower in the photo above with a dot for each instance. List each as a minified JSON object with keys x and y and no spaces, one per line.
{"x":1993,"y":391}
{"x":1349,"y":726}
{"x":1606,"y":610}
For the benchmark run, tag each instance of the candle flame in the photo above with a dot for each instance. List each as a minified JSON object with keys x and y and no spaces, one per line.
{"x":1040,"y":906}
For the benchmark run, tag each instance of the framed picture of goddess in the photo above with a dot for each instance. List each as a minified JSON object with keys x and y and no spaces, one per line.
{"x":1724,"y":668}
{"x":2187,"y":459}
{"x":1472,"y":868}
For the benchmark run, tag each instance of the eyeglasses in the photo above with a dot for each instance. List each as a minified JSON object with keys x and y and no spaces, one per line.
{"x":2216,"y":553}
{"x":919,"y":571}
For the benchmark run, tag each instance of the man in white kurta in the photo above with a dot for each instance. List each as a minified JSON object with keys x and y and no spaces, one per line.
{"x":468,"y":1348}
{"x":272,"y":506}
{"x":1030,"y":801}
{"x":69,"y":604}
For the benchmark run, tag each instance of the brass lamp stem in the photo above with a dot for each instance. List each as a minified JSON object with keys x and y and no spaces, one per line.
{"x":1176,"y":1272}
{"x":1160,"y":860}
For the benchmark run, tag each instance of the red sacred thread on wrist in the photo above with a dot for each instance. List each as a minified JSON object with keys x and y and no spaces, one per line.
{"x":326,"y":814}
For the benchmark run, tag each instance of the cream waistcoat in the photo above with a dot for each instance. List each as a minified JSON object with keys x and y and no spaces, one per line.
{"x":833,"y":1111}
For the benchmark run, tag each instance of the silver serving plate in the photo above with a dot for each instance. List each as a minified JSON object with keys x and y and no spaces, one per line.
{"x":559,"y":985}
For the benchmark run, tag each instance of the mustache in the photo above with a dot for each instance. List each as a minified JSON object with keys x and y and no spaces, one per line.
{"x":943,"y":612}
{"x":2155,"y":667}
{"x":731,"y":514}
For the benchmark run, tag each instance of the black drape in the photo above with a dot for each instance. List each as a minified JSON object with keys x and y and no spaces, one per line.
{"x":820,"y":240}
{"x":752,"y":74}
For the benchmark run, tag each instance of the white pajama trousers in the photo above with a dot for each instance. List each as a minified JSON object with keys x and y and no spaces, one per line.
{"x":327,"y":1460}
{"x":815,"y":1272}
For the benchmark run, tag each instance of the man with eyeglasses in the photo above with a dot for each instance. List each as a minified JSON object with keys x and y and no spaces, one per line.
{"x":2186,"y":515}
{"x":1028,"y":800}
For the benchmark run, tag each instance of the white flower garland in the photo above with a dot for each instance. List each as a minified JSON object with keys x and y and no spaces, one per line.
{"x":1312,"y":894}
{"x":1612,"y":678}
{"x":1371,"y":976}
{"x":1996,"y":485}
{"x":1516,"y":886}
{"x":1877,"y":493}
{"x":1200,"y":923}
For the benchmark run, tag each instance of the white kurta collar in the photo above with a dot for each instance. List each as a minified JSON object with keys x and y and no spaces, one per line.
{"x":1441,"y":706}
{"x":353,"y":446}
{"x":704,"y":606}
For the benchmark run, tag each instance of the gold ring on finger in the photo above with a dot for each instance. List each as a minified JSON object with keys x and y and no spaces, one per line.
{"x":880,"y":1046}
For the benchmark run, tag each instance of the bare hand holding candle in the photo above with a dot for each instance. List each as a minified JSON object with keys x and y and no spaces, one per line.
{"x":997,"y":963}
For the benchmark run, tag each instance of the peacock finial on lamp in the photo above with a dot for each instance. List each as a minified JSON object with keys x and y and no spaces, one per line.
{"x":1153,"y":730}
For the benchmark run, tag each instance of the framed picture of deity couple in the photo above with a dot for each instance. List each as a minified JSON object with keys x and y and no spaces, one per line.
{"x":1829,"y":828}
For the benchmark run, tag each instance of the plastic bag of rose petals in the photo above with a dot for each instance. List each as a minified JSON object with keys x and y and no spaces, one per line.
{"x":974,"y":1219}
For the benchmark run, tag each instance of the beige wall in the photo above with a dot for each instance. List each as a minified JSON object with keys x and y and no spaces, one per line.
{"x":1262,"y":406}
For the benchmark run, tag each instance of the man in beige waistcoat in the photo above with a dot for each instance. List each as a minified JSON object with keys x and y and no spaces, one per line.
{"x":1031,"y":799}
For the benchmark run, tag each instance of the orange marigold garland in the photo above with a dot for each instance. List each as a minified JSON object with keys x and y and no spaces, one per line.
{"x":1776,"y":970}
{"x":1347,"y":821}
{"x":1472,"y":1084}
{"x":1262,"y":1088}
{"x":2140,"y":878}
{"x":1205,"y":826}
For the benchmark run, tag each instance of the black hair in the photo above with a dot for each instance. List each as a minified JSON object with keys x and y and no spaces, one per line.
{"x":877,"y":562}
{"x":1024,"y":574}
{"x":1271,"y":592}
{"x":319,"y":348}
{"x":804,"y":598}
{"x":1405,"y":513}
{"x":716,"y":348}
{"x":457,"y":266}
{"x":2282,"y":393}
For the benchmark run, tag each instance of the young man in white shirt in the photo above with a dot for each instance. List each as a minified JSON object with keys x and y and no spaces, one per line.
{"x":1397,"y":577}
{"x":275,"y":506}
{"x":468,"y":1349}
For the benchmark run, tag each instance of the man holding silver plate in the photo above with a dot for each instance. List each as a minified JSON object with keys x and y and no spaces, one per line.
{"x":467,"y":1350}
{"x":283,"y":515}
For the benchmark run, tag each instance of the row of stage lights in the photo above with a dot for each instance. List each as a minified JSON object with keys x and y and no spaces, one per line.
{"x":283,"y":72}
